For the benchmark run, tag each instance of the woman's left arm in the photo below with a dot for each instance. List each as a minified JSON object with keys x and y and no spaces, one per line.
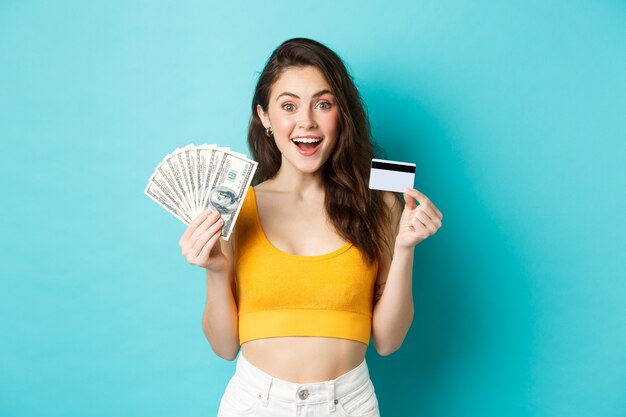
{"x":393,"y":292}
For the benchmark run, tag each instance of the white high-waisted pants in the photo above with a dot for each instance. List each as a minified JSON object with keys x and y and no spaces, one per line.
{"x":252,"y":392}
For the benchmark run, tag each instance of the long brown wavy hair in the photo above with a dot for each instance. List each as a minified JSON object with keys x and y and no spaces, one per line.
{"x":358,"y":214}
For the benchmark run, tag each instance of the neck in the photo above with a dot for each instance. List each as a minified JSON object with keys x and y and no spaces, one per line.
{"x":290,"y":180}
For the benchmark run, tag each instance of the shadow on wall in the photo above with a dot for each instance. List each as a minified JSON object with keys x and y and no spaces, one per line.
{"x":471,"y":293}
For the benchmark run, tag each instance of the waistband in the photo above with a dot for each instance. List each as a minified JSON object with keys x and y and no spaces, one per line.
{"x":265,"y":385}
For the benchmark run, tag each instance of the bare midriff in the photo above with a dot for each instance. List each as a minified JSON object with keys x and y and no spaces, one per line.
{"x":304,"y":359}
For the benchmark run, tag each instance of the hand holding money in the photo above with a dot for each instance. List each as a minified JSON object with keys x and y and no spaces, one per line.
{"x":200,"y":244}
{"x":194,"y":179}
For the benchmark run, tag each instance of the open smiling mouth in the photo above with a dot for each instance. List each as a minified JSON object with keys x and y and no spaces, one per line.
{"x":307,"y":145}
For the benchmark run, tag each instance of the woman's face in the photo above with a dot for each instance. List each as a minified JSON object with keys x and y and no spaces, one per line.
{"x":304,"y":118}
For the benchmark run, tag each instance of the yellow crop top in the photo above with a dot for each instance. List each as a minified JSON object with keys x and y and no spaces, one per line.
{"x":281,"y":294}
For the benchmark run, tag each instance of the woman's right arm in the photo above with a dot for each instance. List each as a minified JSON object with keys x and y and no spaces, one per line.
{"x":201,"y":246}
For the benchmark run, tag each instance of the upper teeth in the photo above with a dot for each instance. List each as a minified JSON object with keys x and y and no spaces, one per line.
{"x":306,"y":140}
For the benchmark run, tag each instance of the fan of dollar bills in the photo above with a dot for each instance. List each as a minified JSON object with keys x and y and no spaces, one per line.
{"x":193,"y":179}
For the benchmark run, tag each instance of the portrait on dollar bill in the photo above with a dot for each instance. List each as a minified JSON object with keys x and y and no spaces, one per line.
{"x":223,"y":199}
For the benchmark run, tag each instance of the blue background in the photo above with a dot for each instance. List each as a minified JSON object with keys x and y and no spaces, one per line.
{"x":512,"y":110}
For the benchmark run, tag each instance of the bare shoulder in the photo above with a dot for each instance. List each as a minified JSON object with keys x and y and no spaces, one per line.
{"x":263,"y":187}
{"x":263,"y":192}
{"x":394,"y":206}
{"x":391,"y":200}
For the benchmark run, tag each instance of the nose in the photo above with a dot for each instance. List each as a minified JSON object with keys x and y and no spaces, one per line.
{"x":306,"y":120}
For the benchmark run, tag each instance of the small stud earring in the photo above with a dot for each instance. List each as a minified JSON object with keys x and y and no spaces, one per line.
{"x":268,"y":131}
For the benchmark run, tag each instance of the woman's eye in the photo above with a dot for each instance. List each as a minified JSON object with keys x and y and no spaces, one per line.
{"x":324,"y":105}
{"x":288,"y":107}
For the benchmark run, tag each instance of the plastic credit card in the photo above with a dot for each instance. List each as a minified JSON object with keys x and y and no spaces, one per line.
{"x":391,"y":175}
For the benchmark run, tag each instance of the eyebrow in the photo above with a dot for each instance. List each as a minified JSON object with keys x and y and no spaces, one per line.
{"x":319,"y":93}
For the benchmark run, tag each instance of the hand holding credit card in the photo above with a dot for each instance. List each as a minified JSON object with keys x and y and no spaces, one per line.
{"x":391,"y":175}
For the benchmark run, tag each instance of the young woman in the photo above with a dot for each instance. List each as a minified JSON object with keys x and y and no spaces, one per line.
{"x":318,"y":263}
